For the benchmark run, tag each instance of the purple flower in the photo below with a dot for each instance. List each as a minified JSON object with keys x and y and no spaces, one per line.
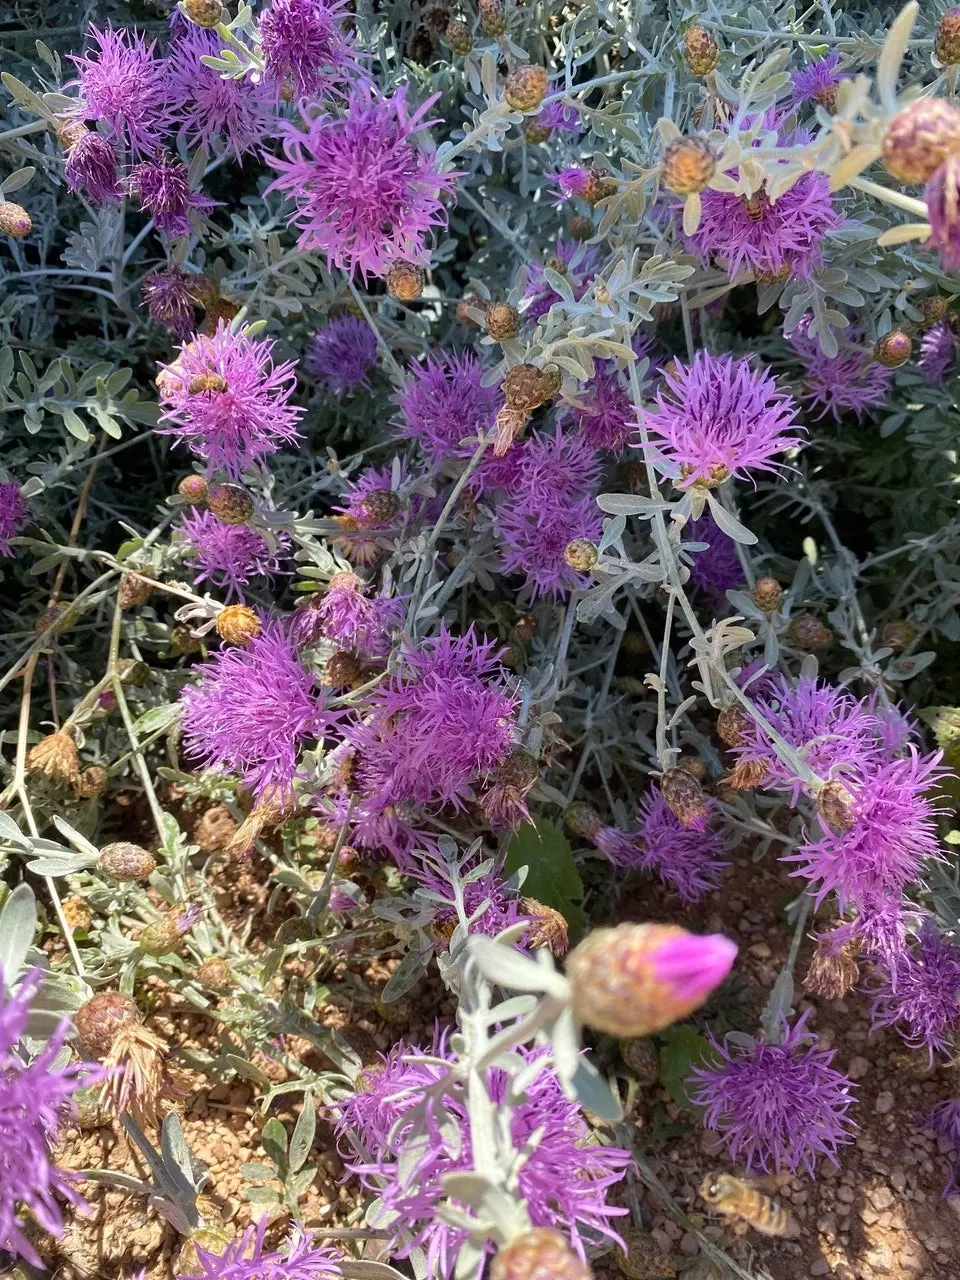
{"x":817,"y":82}
{"x":227,"y":402}
{"x":576,"y":261}
{"x":306,"y":47}
{"x":124,"y":84}
{"x":495,"y":906}
{"x":35,"y":1100}
{"x":691,"y":862}
{"x":942,"y":194}
{"x":604,"y":414}
{"x":348,"y":617}
{"x":563,"y":1178}
{"x":922,"y":998}
{"x":162,"y":186}
{"x":207,"y":106}
{"x":945,"y":1119}
{"x":229,"y":555}
{"x":770,"y":238}
{"x":782,"y":1105}
{"x":559,"y":114}
{"x":91,"y":166}
{"x":252,"y":709}
{"x":849,"y":382}
{"x":246,"y":1258}
{"x":444,"y":403}
{"x":894,"y":831}
{"x":172,"y":296}
{"x":343,"y":355}
{"x":365,"y":193}
{"x":938,"y":351}
{"x":718,"y":417}
{"x":573,"y":181}
{"x":717,"y":569}
{"x":14,"y":514}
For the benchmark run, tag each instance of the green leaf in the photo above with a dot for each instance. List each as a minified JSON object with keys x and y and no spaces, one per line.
{"x":681,"y":1050}
{"x":156,"y":719}
{"x":299,"y":1183}
{"x":552,"y":875}
{"x":303,"y":1134}
{"x":273,"y":1139}
{"x":18,"y":924}
{"x":262,"y":1195}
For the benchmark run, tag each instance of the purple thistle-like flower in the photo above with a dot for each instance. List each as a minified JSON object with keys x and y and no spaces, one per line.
{"x":817,"y":82}
{"x":209,"y":107}
{"x":849,"y":382}
{"x":124,"y":84}
{"x":495,"y":905}
{"x":776,"y":1104}
{"x":604,"y":414}
{"x":894,"y":729}
{"x":234,"y":428}
{"x":894,"y":831}
{"x":246,"y":1259}
{"x":92,"y":167}
{"x":162,"y":186}
{"x":365,"y":193}
{"x":942,"y":196}
{"x":343,"y":355}
{"x":306,"y":46}
{"x":229,"y":555}
{"x":350,"y":618}
{"x":14,"y":513}
{"x":718,"y":417}
{"x":563,"y":1179}
{"x":767,"y":237}
{"x":717,"y":569}
{"x":251,"y":711}
{"x":921,"y":998}
{"x":373,"y":480}
{"x":690,"y":862}
{"x":572,"y":182}
{"x":35,"y":1100}
{"x":444,"y":403}
{"x":576,"y":261}
{"x":945,"y":1120}
{"x":559,"y":114}
{"x":171,"y":296}
{"x":938,"y":351}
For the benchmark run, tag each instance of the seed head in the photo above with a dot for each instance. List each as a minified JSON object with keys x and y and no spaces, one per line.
{"x":946,"y":41}
{"x":898,"y":635}
{"x":230,"y":503}
{"x":833,"y":968}
{"x":582,"y":819}
{"x":525,"y":387}
{"x":133,"y":591}
{"x":100,"y":1018}
{"x":581,"y":554}
{"x":933,"y":309}
{"x":458,"y":37}
{"x":378,"y":507}
{"x":767,"y":595}
{"x":538,"y":1254}
{"x":685,"y":799}
{"x":237,"y":624}
{"x":808,"y":632}
{"x":140,"y":1080}
{"x":919,"y":138}
{"x":733,"y":725}
{"x":526,"y":87}
{"x":342,"y":670}
{"x":405,"y":281}
{"x":215,"y":974}
{"x":747,"y":774}
{"x":641,"y":1056}
{"x":644,"y":1259}
{"x":203,"y":13}
{"x":688,"y":166}
{"x":502,"y":322}
{"x":548,"y":928}
{"x":55,"y":756}
{"x":636,"y":979}
{"x":14,"y":220}
{"x":125,"y":861}
{"x":91,"y":782}
{"x":193,"y":488}
{"x":701,"y":52}
{"x":835,"y":806}
{"x":893,"y":348}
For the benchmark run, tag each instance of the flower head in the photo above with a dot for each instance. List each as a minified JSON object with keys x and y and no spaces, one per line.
{"x":252,"y":709}
{"x":208,"y":106}
{"x":14,"y":513}
{"x":229,"y":555}
{"x":690,"y":862}
{"x":776,"y":1104}
{"x":172,"y":297}
{"x":444,"y":403}
{"x":225,"y":399}
{"x":366,"y":193}
{"x":91,"y":166}
{"x":719,"y":417}
{"x":921,"y":997}
{"x":942,"y":195}
{"x":306,"y":46}
{"x":849,"y":382}
{"x":124,"y":84}
{"x":938,"y":351}
{"x":353,"y":620}
{"x":162,"y":186}
{"x":343,"y":355}
{"x":817,"y":82}
{"x":246,"y":1258}
{"x":717,"y":569}
{"x":35,"y":1100}
{"x":604,"y":414}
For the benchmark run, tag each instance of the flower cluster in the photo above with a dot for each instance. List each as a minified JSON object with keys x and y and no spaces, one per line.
{"x":343,"y":355}
{"x":229,"y":555}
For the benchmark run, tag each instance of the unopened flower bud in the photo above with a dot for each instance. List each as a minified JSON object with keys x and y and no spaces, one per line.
{"x":538,"y":1254}
{"x":688,"y":166}
{"x":342,"y":670}
{"x":458,"y":37}
{"x":378,"y":507}
{"x":636,"y":979}
{"x":100,"y":1018}
{"x":133,"y":591}
{"x":125,"y":861}
{"x":946,"y":41}
{"x":893,"y":348}
{"x":405,"y":281}
{"x":165,"y":936}
{"x":919,"y":139}
{"x":535,"y":131}
{"x":220,"y":309}
{"x":767,"y":595}
{"x":70,"y":133}
{"x":464,"y":307}
{"x":502,"y":322}
{"x":898,"y":635}
{"x":934,"y":309}
{"x":582,"y":819}
{"x":525,"y":387}
{"x":548,"y":928}
{"x":237,"y":624}
{"x":581,"y":554}
{"x":641,"y":1056}
{"x":733,"y":725}
{"x":56,"y":757}
{"x":77,"y":913}
{"x":835,"y":805}
{"x":580,"y":227}
{"x":193,"y":488}
{"x":701,"y":52}
{"x":526,"y":87}
{"x":493,"y":20}
{"x":230,"y":503}
{"x":215,"y":974}
{"x":14,"y":220}
{"x":203,"y":13}
{"x":182,"y":640}
{"x":808,"y":632}
{"x":685,"y":799}
{"x":91,"y":782}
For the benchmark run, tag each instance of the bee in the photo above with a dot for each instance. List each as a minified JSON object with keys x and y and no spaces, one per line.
{"x":736,"y":1199}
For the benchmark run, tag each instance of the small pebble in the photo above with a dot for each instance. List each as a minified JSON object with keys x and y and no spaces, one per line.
{"x":884,"y":1103}
{"x":881,"y":1198}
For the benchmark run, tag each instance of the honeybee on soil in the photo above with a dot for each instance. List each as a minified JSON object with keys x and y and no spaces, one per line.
{"x":737,"y":1199}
